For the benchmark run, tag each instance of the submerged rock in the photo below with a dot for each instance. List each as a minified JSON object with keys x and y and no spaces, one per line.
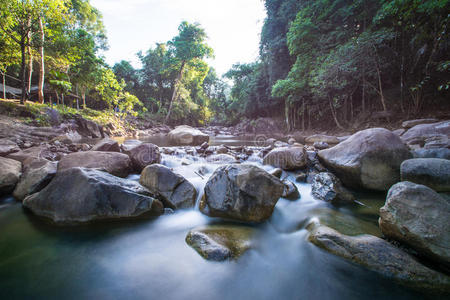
{"x":369,"y":159}
{"x":328,"y":187}
{"x":378,"y":255}
{"x":286,"y":158}
{"x":220,"y":243}
{"x":418,"y":217}
{"x":37,"y":174}
{"x":10,"y":171}
{"x":432,"y":172}
{"x":173,"y":189}
{"x":241,"y":192}
{"x":186,"y":135}
{"x":117,"y":164}
{"x":79,"y":195}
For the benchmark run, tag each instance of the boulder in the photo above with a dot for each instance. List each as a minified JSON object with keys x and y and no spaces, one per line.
{"x":107,"y":145}
{"x":290,"y":191}
{"x":369,"y":159}
{"x":143,"y":155}
{"x":327,"y":187}
{"x":117,"y":164}
{"x":321,"y":138}
{"x":411,"y":123}
{"x":128,"y":145}
{"x":432,"y":153}
{"x":7,"y":146}
{"x":241,"y":192}
{"x":173,"y":189}
{"x":89,"y":128}
{"x":68,"y":138}
{"x":432,"y":172}
{"x":80,"y":195}
{"x":286,"y":158}
{"x":219,"y":243}
{"x":380,"y":256}
{"x":186,"y":135}
{"x":291,"y":141}
{"x":10,"y":171}
{"x":418,"y":217}
{"x":37,"y":174}
{"x":422,"y":131}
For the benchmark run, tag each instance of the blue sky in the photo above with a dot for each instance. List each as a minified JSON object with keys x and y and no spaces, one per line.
{"x":233,"y":27}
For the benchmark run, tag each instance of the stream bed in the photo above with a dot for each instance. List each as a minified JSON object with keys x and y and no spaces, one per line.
{"x":149,"y":259}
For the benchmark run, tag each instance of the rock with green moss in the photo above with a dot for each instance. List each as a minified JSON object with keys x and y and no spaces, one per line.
{"x":378,"y":255}
{"x":220,"y":242}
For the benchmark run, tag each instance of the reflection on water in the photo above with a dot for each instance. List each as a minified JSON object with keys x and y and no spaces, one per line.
{"x":150,"y":259}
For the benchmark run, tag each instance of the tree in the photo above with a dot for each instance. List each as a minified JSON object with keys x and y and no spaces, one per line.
{"x":187,"y":47}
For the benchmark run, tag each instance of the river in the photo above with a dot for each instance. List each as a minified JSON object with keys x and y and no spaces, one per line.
{"x":151,"y":260}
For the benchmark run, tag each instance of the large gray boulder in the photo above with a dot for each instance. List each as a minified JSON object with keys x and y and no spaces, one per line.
{"x":418,"y":217}
{"x":173,"y":189}
{"x":219,"y":243}
{"x":286,"y":158}
{"x":106,"y":145}
{"x":186,"y":135}
{"x":37,"y":174}
{"x":80,"y":195}
{"x":10,"y":171}
{"x":327,"y":187}
{"x":117,"y":164}
{"x":380,"y":256}
{"x":369,"y":159}
{"x":241,"y":192}
{"x":432,"y":153}
{"x":143,"y":155}
{"x":422,"y":132}
{"x":432,"y":172}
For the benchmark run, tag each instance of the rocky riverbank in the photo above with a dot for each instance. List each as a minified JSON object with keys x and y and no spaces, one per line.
{"x":73,"y":173}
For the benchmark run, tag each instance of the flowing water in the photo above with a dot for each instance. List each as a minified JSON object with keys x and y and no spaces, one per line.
{"x":151,"y":260}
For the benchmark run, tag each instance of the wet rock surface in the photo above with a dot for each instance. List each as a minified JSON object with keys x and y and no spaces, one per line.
{"x":80,"y":195}
{"x":369,"y":159}
{"x":10,"y":172}
{"x":174,"y":190}
{"x":286,"y":158}
{"x":418,"y":217}
{"x":327,"y":187}
{"x":241,"y":192}
{"x":432,"y":172}
{"x":117,"y":164}
{"x":380,"y":256}
{"x":220,"y":242}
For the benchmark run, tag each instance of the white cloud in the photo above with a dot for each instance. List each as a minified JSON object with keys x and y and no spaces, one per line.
{"x":233,"y":26}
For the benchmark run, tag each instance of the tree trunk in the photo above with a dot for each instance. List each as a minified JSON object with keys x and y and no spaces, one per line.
{"x":286,"y":114}
{"x":333,"y":113}
{"x":57,"y":98}
{"x":175,"y":91}
{"x":42,"y":67}
{"x":4,"y":86}
{"x":62,"y":98}
{"x":30,"y":58}
{"x":83,"y":96}
{"x":23,"y":74}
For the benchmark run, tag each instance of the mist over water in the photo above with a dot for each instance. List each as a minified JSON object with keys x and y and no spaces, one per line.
{"x":149,"y":259}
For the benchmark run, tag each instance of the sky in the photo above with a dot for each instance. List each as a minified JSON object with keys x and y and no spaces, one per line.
{"x":233,"y":27}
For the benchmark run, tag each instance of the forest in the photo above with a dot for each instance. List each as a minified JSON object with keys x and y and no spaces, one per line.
{"x":321,"y":63}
